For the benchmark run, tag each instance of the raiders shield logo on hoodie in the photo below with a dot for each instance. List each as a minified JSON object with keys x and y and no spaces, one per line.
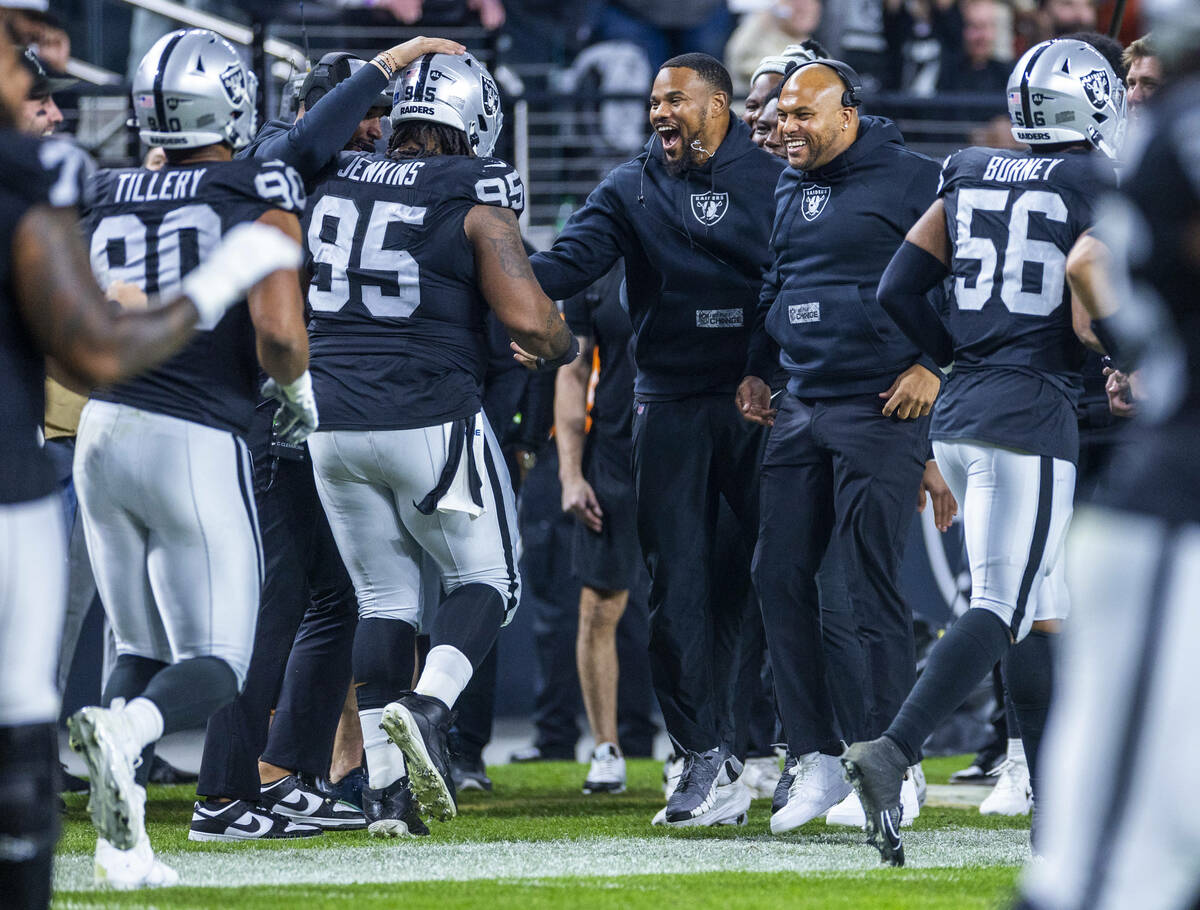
{"x":813,"y":201}
{"x":709,"y":208}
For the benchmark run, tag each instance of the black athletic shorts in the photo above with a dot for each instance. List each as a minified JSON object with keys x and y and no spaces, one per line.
{"x":610,"y":560}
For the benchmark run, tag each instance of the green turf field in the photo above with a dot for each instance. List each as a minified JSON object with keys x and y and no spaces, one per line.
{"x":537,"y":841}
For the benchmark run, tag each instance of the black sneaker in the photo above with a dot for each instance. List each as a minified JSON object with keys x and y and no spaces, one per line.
{"x":347,"y":790}
{"x":68,"y":782}
{"x":696,"y":792}
{"x":420,"y":726}
{"x":241,"y":820}
{"x":537,"y":753}
{"x":876,"y":770}
{"x":469,"y":773}
{"x":780,"y":797}
{"x":163,"y":772}
{"x":392,"y":811}
{"x":291,"y":798}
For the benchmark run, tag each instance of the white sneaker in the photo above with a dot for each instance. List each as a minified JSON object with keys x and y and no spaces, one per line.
{"x":126,"y":870}
{"x":116,"y":802}
{"x":917,"y":773}
{"x":1012,"y":794}
{"x":761,"y":776}
{"x":818,"y":786}
{"x":672,"y":771}
{"x":849,"y":812}
{"x":607,"y":773}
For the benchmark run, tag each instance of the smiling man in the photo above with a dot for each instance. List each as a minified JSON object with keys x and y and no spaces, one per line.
{"x":849,"y":437}
{"x":691,"y":216}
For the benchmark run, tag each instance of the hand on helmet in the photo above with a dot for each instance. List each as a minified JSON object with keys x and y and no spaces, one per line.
{"x":402,"y":55}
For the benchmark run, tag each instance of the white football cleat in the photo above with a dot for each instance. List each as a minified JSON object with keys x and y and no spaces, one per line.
{"x":849,"y":812}
{"x":761,"y":775}
{"x":817,"y":787}
{"x":1012,"y":794}
{"x":607,"y":771}
{"x":127,"y":870}
{"x":105,"y":740}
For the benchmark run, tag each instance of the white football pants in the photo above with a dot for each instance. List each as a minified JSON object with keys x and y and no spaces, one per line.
{"x":370,"y":482}
{"x":168,"y":510}
{"x":1120,"y":820}
{"x":33,"y":599}
{"x":1015,"y":512}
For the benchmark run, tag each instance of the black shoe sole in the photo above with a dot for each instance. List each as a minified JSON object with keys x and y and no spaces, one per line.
{"x":883,"y":832}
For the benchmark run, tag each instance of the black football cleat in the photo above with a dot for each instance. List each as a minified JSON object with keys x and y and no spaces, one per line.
{"x":876,"y":770}
{"x":420,"y":726}
{"x":392,"y":811}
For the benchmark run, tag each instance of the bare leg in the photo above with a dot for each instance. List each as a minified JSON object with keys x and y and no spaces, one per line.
{"x":348,"y":741}
{"x":596,"y":658}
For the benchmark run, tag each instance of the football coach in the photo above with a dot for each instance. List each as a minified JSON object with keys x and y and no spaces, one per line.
{"x":849,"y":441}
{"x":691,"y":216}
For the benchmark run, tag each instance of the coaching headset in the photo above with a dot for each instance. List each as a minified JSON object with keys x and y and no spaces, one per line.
{"x":852,"y":96}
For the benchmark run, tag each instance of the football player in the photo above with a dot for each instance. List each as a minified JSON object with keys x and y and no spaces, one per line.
{"x":1127,"y":833}
{"x":162,"y":469}
{"x":409,"y":249}
{"x":50,"y":305}
{"x":1005,"y":432}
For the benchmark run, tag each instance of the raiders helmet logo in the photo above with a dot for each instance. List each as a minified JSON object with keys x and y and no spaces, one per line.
{"x":491,"y":97}
{"x":709,"y":208}
{"x":1097,"y":88}
{"x":233,"y":80}
{"x":813,"y":201}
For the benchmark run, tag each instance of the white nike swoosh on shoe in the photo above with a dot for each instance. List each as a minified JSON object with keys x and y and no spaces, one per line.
{"x":253,"y":825}
{"x":304,"y":804}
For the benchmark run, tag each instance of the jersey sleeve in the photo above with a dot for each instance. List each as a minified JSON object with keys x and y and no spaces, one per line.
{"x":494,"y":182}
{"x":67,"y":168}
{"x":278,"y":184}
{"x":953,"y":168}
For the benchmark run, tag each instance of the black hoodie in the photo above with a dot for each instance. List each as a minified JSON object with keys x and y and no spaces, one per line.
{"x":836,"y":229}
{"x":695,"y":248}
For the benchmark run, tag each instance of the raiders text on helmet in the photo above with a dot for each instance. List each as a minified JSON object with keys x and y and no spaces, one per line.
{"x":1063,"y":90}
{"x":456,"y":91}
{"x":192,"y":89}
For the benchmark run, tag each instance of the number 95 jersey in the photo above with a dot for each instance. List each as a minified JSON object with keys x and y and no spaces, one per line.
{"x":150,"y":229}
{"x":397,"y":334}
{"x":1012,"y":217}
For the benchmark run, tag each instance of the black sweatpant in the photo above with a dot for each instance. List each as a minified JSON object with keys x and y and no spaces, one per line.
{"x":837,"y":468}
{"x":688,"y":455}
{"x":300,"y":665}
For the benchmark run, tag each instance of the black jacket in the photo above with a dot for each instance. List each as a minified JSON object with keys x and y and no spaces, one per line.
{"x":695,"y":248}
{"x":836,"y":229}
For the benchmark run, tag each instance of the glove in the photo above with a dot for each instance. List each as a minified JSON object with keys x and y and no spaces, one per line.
{"x":296,"y":418}
{"x":247,"y":254}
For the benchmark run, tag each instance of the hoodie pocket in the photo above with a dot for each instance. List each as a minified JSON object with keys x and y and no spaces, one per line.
{"x":826,"y":329}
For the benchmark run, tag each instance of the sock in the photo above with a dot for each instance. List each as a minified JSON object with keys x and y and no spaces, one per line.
{"x":469,"y":619}
{"x":145,"y":721}
{"x":447,"y":672}
{"x":385,"y":761}
{"x":1029,"y":667}
{"x":956,"y":664}
{"x":384,"y":651}
{"x":1015,"y":751}
{"x":129,"y":677}
{"x":189,"y":692}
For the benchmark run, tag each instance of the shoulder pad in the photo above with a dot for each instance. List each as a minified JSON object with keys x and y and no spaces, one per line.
{"x":278,"y":183}
{"x":496,"y":182}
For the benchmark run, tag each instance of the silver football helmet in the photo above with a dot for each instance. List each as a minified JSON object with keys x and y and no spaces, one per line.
{"x":192,"y":89}
{"x":456,"y":91}
{"x":1063,"y":90}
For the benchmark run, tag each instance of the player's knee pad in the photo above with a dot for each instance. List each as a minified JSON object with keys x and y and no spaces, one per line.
{"x":383,"y":660}
{"x":469,"y":619}
{"x":508,"y":586}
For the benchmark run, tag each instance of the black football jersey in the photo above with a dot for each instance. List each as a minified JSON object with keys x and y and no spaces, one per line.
{"x":397,"y":335}
{"x":1012,"y":217}
{"x":150,"y":229}
{"x":32,"y":172}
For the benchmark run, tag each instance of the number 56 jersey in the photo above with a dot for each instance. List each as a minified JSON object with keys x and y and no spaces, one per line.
{"x":1012,"y":217}
{"x":150,"y":229}
{"x":397,"y":335}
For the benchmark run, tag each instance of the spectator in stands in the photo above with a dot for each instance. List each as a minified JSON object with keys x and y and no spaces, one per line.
{"x":435,"y":12}
{"x":783,"y":23}
{"x":1061,"y":17}
{"x":1143,"y":72}
{"x":972,"y":65}
{"x":667,"y":28}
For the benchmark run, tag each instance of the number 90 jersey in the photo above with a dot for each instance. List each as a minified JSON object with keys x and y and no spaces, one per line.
{"x":397,"y":336}
{"x":150,"y":229}
{"x":1012,"y":217}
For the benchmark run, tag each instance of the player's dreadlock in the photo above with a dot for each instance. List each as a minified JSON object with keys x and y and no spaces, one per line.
{"x":421,"y":139}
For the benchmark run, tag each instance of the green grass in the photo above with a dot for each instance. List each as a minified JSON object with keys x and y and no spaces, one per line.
{"x":541,"y":804}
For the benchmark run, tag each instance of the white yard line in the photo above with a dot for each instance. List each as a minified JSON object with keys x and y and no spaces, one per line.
{"x":587,"y":857}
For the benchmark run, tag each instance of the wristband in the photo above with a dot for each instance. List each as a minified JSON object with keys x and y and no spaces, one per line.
{"x":571,"y":353}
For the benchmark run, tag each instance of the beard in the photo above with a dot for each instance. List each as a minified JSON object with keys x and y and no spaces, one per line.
{"x":691,"y":158}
